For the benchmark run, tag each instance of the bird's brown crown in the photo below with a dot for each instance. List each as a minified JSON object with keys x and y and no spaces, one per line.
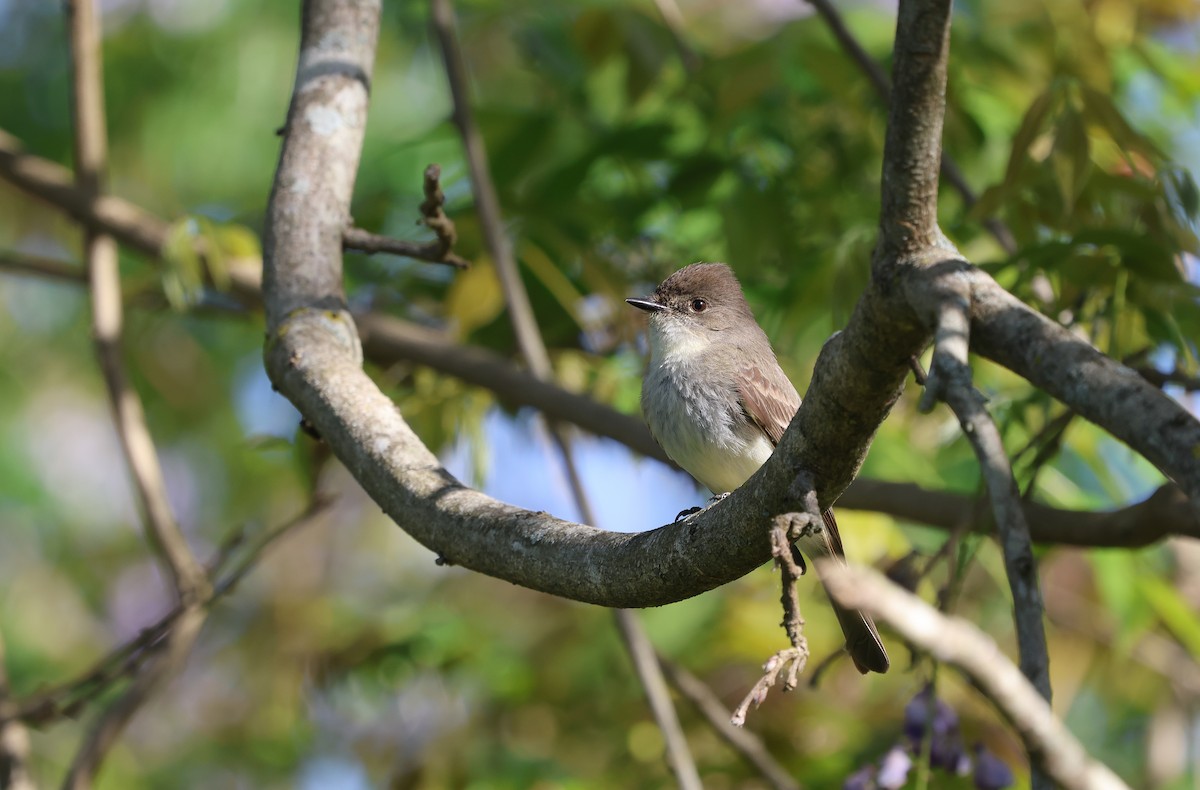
{"x":709,"y":291}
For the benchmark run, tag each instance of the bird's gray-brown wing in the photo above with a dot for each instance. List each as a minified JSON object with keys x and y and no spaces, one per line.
{"x":768,"y":398}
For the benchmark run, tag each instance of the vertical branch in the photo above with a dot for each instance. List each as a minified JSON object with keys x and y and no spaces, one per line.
{"x":100,"y":255}
{"x":533,"y":349}
{"x":745,"y":743}
{"x":163,"y":533}
{"x":950,"y":380}
{"x":912,"y":151}
{"x":487,"y":203}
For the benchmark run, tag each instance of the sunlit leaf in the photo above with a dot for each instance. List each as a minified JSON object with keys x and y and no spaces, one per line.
{"x":1176,"y":613}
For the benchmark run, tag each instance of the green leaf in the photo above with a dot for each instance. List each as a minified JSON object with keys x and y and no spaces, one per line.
{"x":1140,"y":253}
{"x":1182,"y":199}
{"x":183,"y":271}
{"x":1114,"y":573}
{"x":1031,"y":126}
{"x":1099,"y":108}
{"x":474,"y":298}
{"x":1176,"y":613}
{"x":1071,"y":158}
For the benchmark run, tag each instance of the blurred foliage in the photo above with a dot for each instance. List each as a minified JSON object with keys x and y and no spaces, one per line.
{"x":348,"y":659}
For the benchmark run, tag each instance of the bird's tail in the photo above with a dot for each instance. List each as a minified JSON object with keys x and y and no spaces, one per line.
{"x":862,"y":639}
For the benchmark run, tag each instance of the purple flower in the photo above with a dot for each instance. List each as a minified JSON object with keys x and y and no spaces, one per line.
{"x":991,"y":773}
{"x":894,"y":768}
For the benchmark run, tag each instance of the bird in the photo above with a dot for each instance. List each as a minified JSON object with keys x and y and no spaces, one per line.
{"x":717,"y":401}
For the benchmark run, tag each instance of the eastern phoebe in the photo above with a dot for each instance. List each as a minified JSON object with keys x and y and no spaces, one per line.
{"x":718,"y":402}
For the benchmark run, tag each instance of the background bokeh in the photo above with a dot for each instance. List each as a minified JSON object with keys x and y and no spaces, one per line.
{"x":348,"y":659}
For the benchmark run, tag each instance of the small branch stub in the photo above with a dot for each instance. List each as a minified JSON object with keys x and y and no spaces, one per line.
{"x":432,"y":216}
{"x":793,"y":658}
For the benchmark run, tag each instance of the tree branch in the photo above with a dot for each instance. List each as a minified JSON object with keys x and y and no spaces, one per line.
{"x":947,"y":296}
{"x":957,"y":642}
{"x":433,"y":217}
{"x":912,"y":151}
{"x":37,"y":266}
{"x":389,"y":340}
{"x":313,"y":356}
{"x":105,"y":287}
{"x":745,"y":743}
{"x":537,"y":358}
{"x":163,"y":533}
{"x":1101,"y":389}
{"x":70,"y":698}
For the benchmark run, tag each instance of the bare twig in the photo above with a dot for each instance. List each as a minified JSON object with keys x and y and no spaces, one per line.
{"x":744,"y":742}
{"x":950,"y":380}
{"x":432,"y":217}
{"x":108,"y":727}
{"x":70,"y":698}
{"x":958,"y":642}
{"x":36,"y":266}
{"x":361,"y":240}
{"x":792,"y":658}
{"x":163,"y":533}
{"x":533,"y":350}
{"x":650,"y":674}
{"x":101,"y":257}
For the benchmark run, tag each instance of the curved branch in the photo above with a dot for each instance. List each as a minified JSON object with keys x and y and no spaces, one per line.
{"x":958,"y":642}
{"x":388,"y":340}
{"x":1099,"y":388}
{"x":948,"y":299}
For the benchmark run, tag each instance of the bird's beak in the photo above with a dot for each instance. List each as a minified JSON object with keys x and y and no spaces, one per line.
{"x":649,"y":305}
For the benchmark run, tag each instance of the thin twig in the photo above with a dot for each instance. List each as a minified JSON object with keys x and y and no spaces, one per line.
{"x":163,"y":533}
{"x":364,"y":241}
{"x":950,"y":380}
{"x":103,"y":734}
{"x":36,"y":266}
{"x":486,"y":202}
{"x":793,"y":658}
{"x":957,"y":642}
{"x":101,"y":258}
{"x":70,"y":698}
{"x":744,"y":742}
{"x":533,"y":349}
{"x":432,"y":216}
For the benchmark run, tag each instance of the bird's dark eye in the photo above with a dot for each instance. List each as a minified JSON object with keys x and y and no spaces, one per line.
{"x":699,"y":305}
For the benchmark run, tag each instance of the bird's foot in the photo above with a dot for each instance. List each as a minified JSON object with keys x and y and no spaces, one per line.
{"x":685,"y":515}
